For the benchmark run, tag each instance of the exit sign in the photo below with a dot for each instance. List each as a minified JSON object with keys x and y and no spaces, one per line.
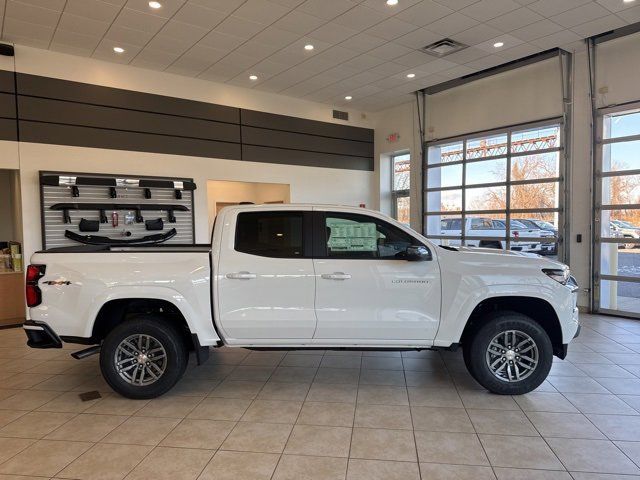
{"x":393,"y":137}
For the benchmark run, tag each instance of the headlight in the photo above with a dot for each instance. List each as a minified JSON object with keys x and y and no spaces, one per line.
{"x":560,"y":275}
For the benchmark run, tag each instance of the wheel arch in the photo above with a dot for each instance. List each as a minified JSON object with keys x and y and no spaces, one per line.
{"x":538,"y":309}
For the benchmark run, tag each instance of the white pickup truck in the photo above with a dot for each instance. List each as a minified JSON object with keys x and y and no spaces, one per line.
{"x":296,"y":277}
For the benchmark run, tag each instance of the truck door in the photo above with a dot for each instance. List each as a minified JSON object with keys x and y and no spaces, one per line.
{"x":265,"y":277}
{"x":365,"y":288}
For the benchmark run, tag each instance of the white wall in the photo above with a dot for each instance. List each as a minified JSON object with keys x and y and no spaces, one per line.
{"x":307,"y":184}
{"x":224,"y":191}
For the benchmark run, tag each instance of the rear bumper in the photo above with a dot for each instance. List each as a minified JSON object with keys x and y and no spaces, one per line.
{"x":41,"y":335}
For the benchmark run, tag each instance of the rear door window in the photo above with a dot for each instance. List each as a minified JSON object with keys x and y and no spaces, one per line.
{"x":271,"y":234}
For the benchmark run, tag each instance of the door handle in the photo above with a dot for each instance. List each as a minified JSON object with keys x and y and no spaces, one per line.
{"x":336,"y":276}
{"x":241,"y":276}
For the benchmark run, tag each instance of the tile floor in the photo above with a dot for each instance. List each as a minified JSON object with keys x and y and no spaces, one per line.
{"x":327,"y":415}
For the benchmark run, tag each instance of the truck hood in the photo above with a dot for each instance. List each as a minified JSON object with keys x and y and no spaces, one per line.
{"x":495,"y":255}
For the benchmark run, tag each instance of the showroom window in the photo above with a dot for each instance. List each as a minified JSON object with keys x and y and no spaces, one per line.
{"x":617,"y":212}
{"x":499,"y":189}
{"x":400,"y":187}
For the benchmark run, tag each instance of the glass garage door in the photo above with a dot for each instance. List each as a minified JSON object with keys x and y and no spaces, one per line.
{"x":617,"y":213}
{"x":501,"y":189}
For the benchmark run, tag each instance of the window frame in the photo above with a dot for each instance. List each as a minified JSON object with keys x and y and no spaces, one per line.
{"x":397,"y":194}
{"x":602,"y":141}
{"x":507,"y":212}
{"x":321,"y":251}
{"x":307,"y":232}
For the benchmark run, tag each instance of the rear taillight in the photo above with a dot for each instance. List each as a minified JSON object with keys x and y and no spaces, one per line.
{"x":32,"y":290}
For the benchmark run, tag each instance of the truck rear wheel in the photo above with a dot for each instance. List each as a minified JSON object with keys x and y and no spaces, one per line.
{"x":510,"y":354}
{"x":143,"y":358}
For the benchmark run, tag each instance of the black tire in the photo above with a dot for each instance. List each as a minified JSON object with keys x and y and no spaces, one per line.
{"x":477,"y":358}
{"x":175,"y":357}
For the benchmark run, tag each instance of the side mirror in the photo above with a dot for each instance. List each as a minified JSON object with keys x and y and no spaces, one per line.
{"x":417,"y":253}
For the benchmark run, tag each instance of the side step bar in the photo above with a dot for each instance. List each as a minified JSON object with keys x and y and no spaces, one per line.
{"x":87,"y":352}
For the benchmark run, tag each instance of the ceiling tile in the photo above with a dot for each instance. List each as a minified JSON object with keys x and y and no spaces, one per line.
{"x":221,"y":40}
{"x":226,"y":6}
{"x":364,"y":61}
{"x":299,"y":22}
{"x":200,"y":16}
{"x":391,"y":28}
{"x":57,"y":5}
{"x":333,"y":32}
{"x":548,"y":8}
{"x":275,"y":37}
{"x":359,"y":18}
{"x":475,"y":35}
{"x":83,"y":25}
{"x":155,"y":59}
{"x":362,"y":42}
{"x":519,"y":51}
{"x":326,"y":9}
{"x":337,"y":54}
{"x":452,"y":24}
{"x":183,"y":31}
{"x":169,"y":44}
{"x":104,"y":51}
{"x":423,"y":13}
{"x":536,"y":30}
{"x":75,"y":49}
{"x":487,"y":9}
{"x":631,"y":15}
{"x":14,"y":28}
{"x":220,"y":73}
{"x":583,"y":14}
{"x":139,"y":21}
{"x":515,"y":19}
{"x":239,"y":27}
{"x":257,"y":50}
{"x":418,"y":38}
{"x":261,"y":11}
{"x":508,"y":40}
{"x":168,"y":9}
{"x":342,"y":71}
{"x":270,"y":67}
{"x":94,"y":9}
{"x":556,"y":39}
{"x":238,"y":60}
{"x":414,"y":58}
{"x":388,"y":68}
{"x":73,"y":39}
{"x":615,"y":5}
{"x":598,"y":26}
{"x":486,"y":62}
{"x":289,"y":3}
{"x":456,"y":4}
{"x":31,"y":14}
{"x":466,"y":55}
{"x":382,"y":6}
{"x":389,"y":51}
{"x":128,"y":35}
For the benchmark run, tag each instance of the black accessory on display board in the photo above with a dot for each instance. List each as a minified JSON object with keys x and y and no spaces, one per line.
{"x":89,"y":225}
{"x":113,"y":193}
{"x":98,"y":240}
{"x":156,"y":224}
{"x":139,"y":207}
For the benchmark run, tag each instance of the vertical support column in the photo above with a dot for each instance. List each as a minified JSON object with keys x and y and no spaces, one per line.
{"x":594,"y":263}
{"x":566,"y":79}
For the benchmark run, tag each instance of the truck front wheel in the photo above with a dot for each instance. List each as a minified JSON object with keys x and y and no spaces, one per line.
{"x":143,"y":357}
{"x":510,"y":354}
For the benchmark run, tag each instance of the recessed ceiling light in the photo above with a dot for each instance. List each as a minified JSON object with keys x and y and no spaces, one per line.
{"x":118,"y":49}
{"x":253,"y":77}
{"x":628,"y":1}
{"x":348,"y":97}
{"x":155,"y":5}
{"x":391,"y":3}
{"x":498,"y":44}
{"x":411,"y":75}
{"x":308,"y":47}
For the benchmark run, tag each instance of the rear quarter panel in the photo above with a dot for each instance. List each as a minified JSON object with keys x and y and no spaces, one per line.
{"x":182,"y":278}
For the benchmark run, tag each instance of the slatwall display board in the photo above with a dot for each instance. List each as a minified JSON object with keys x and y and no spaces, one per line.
{"x":53,"y":226}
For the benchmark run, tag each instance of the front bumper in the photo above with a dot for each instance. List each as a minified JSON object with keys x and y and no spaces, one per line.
{"x":41,"y":335}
